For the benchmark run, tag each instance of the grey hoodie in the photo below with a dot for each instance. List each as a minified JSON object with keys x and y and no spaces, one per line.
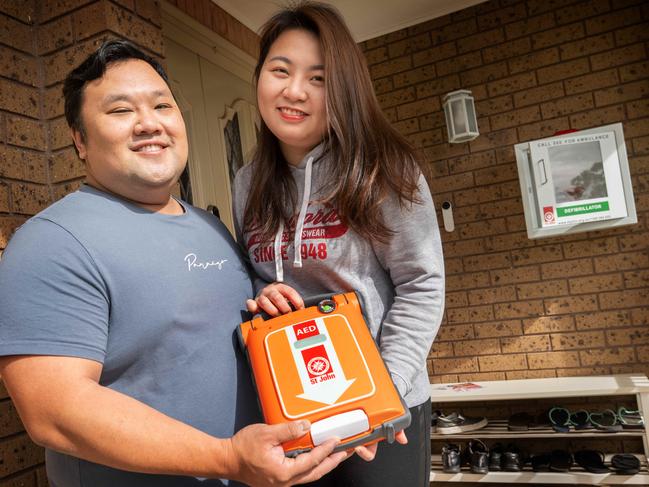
{"x":401,"y":283}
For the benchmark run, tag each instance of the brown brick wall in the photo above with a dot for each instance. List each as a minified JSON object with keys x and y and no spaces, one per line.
{"x":516,"y":308}
{"x":23,"y":170}
{"x":40,"y":41}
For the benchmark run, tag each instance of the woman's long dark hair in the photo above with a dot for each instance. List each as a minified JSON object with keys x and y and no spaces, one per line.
{"x":370,"y":158}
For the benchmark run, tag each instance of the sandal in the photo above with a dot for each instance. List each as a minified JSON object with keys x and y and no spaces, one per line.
{"x":592,"y":461}
{"x":630,"y":419}
{"x":625,"y":464}
{"x":581,"y":420}
{"x":560,"y":419}
{"x":606,"y":421}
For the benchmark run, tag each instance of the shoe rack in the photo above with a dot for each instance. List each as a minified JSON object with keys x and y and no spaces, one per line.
{"x":551,"y":388}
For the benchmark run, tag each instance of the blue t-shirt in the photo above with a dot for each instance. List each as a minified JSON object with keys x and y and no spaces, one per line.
{"x":155,"y":298}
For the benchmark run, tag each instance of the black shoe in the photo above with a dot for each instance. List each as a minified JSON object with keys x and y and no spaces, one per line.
{"x":542,"y":421}
{"x":477,"y":455}
{"x":433,"y":419}
{"x":456,"y":423}
{"x":541,"y":462}
{"x":512,"y":459}
{"x":560,"y":461}
{"x":495,"y":457}
{"x":519,"y":421}
{"x":451,"y":458}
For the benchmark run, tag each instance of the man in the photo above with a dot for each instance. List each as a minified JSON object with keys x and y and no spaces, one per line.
{"x":118,"y":306}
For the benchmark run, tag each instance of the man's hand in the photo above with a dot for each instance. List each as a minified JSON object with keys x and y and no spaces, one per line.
{"x":65,"y":409}
{"x":259,"y":459}
{"x":274,"y":299}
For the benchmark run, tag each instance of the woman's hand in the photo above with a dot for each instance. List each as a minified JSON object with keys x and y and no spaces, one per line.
{"x":274,"y":299}
{"x":368,"y":452}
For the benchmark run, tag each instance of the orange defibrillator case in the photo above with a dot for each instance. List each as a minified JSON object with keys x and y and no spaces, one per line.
{"x":322,"y":364}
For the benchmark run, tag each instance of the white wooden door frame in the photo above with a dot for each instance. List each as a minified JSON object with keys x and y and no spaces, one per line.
{"x":208,"y":175}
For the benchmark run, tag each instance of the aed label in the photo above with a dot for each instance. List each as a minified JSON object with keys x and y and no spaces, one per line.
{"x":317,"y":365}
{"x":305,"y":330}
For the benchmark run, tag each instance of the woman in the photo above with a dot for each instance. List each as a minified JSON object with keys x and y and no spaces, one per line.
{"x":332,"y":179}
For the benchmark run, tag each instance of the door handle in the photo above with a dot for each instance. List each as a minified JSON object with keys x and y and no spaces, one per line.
{"x":214,"y":210}
{"x":541,"y":164}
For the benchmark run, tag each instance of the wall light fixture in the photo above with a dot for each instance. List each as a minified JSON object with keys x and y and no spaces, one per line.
{"x":460,"y":114}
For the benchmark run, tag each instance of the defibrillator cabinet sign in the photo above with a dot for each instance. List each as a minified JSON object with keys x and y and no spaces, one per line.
{"x":577,"y":179}
{"x":576,"y":182}
{"x":317,"y":365}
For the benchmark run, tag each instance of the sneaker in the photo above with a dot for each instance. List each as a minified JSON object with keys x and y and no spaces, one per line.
{"x":451,"y":458}
{"x":456,"y":423}
{"x":477,"y":455}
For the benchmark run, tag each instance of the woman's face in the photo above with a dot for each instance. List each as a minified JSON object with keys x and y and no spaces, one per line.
{"x":291,"y":93}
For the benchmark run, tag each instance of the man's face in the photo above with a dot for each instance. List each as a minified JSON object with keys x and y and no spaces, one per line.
{"x":135,"y":141}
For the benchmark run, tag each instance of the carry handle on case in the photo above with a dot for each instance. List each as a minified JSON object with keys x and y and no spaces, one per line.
{"x":321,"y":363}
{"x":308,"y":302}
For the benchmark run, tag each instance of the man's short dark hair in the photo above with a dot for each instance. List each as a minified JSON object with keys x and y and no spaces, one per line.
{"x":94,"y":67}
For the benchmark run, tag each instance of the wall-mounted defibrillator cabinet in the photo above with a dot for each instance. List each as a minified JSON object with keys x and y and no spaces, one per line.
{"x":576,"y":182}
